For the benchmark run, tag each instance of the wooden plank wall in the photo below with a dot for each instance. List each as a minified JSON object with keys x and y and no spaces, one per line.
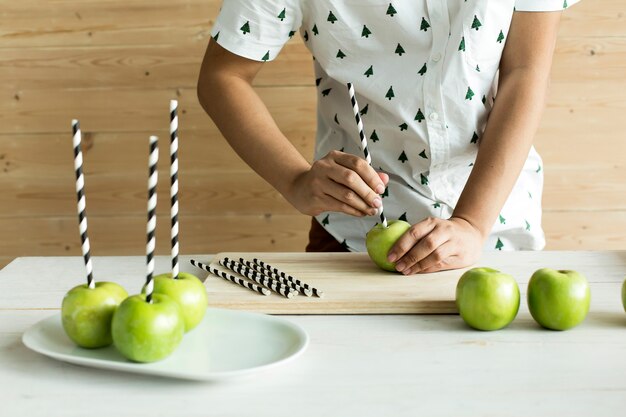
{"x":115,"y":64}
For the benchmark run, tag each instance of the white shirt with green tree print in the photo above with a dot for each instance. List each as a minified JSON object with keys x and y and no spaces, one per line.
{"x":425,"y":75}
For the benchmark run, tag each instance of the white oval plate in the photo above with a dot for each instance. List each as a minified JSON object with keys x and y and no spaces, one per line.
{"x":226,"y":344}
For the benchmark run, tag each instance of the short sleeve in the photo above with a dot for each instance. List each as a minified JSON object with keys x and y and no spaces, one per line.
{"x":543,"y":5}
{"x":256,"y":29}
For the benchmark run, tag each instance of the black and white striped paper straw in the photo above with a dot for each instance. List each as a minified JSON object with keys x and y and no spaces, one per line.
{"x":174,"y":185}
{"x":153,"y":177}
{"x":277,"y":277}
{"x":80,"y":193}
{"x":304,"y":285}
{"x":366,"y":152}
{"x":259,"y":278}
{"x":235,"y":280}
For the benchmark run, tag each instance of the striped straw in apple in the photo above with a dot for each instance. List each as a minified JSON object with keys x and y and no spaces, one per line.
{"x":153,"y":177}
{"x":359,"y":124}
{"x":81,"y":205}
{"x":174,"y":186}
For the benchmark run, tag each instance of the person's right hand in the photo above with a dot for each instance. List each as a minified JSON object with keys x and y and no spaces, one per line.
{"x":339,"y":182}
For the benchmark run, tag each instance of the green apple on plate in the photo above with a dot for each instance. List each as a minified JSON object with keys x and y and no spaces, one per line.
{"x":487,"y":299}
{"x":147,"y":331}
{"x":188,"y":291}
{"x":379,"y":241}
{"x":86,"y":313}
{"x":558,"y":300}
{"x":624,"y":294}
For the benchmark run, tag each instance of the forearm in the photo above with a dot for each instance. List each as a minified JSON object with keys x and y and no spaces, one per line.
{"x":249,"y":128}
{"x":504,"y":147}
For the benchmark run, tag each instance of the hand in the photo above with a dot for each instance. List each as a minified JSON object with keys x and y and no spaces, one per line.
{"x":437,"y":244}
{"x":338,"y":182}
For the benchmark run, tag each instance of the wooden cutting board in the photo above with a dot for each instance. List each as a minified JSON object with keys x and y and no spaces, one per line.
{"x":351,"y":283}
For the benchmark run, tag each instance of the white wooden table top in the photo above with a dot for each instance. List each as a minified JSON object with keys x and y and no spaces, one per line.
{"x":355,"y":365}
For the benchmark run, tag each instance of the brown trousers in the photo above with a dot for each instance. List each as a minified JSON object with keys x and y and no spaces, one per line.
{"x":322,"y":241}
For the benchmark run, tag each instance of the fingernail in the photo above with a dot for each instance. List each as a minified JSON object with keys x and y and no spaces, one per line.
{"x":377,"y":202}
{"x":392,"y":257}
{"x":373,"y":212}
{"x":400,"y":267}
{"x":380,"y":189}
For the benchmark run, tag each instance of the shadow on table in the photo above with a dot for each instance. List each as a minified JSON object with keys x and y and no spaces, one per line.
{"x":607,"y":319}
{"x":26,"y":362}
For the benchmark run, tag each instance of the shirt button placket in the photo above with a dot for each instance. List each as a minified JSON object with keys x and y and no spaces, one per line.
{"x":433,"y":99}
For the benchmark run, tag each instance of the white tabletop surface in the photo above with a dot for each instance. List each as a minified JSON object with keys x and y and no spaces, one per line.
{"x":355,"y":365}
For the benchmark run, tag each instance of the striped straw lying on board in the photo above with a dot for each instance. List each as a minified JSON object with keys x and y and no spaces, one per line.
{"x":277,"y":277}
{"x":235,"y":280}
{"x":288,"y":277}
{"x":259,"y":278}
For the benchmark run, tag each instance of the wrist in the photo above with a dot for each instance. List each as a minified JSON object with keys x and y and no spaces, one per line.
{"x":481,"y":230}
{"x":290,"y":183}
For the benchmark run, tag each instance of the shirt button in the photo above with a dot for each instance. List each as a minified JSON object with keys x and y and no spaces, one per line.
{"x":437,"y":57}
{"x":434,"y":116}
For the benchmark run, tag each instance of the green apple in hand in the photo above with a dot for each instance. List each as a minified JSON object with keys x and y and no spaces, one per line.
{"x":558,"y":300}
{"x":86,"y":313}
{"x":379,"y":240}
{"x":147,"y":332}
{"x":487,"y":299}
{"x":188,"y":291}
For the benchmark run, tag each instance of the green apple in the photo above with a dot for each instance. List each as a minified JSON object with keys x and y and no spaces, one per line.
{"x":188,"y":291}
{"x":379,"y":241}
{"x":558,"y":300}
{"x":487,"y":299}
{"x":147,"y":332}
{"x":86,"y":313}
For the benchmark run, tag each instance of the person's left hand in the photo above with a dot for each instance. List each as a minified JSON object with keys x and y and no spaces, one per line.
{"x":437,"y":244}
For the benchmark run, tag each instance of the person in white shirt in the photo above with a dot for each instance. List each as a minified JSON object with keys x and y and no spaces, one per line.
{"x":451,"y":94}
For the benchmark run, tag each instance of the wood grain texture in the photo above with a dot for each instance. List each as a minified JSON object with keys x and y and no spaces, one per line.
{"x":351,"y":283}
{"x":123,"y":235}
{"x":114,"y":65}
{"x":135,"y":66}
{"x":97,"y":23}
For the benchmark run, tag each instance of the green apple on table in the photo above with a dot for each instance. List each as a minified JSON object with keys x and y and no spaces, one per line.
{"x":379,"y":241}
{"x":558,"y":300}
{"x":147,"y":331}
{"x":86,"y":313}
{"x":487,"y":299}
{"x":188,"y":291}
